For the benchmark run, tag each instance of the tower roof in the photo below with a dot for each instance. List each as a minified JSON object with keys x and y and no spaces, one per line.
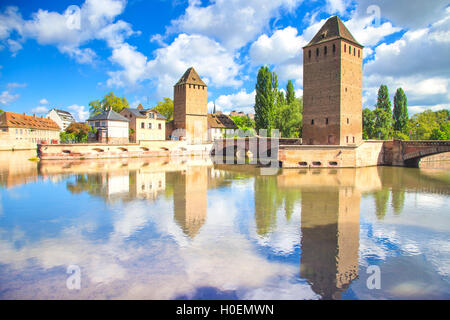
{"x":333,"y":29}
{"x":191,"y":77}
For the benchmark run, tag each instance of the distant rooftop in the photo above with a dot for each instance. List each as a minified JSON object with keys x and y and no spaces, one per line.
{"x":221,"y":121}
{"x":108,"y":115}
{"x":17,"y":120}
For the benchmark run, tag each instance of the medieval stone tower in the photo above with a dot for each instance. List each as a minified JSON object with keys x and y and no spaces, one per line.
{"x":332,"y":87}
{"x":190,"y":107}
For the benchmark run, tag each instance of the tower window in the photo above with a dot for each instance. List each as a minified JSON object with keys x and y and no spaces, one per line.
{"x":326,"y":121}
{"x":345,"y":48}
{"x":334,"y":48}
{"x":325,"y":50}
{"x":348,"y":121}
{"x":353,"y":139}
{"x":312,"y":122}
{"x":359,"y":53}
{"x":347,"y":139}
{"x":309,"y":54}
{"x":350,"y":49}
{"x":354,"y":51}
{"x":317,"y":52}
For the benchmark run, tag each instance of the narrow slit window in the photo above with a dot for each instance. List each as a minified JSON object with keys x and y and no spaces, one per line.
{"x":326,"y":121}
{"x":345,"y":48}
{"x":334,"y":48}
{"x":309,"y":54}
{"x":317,"y":52}
{"x":325,"y":50}
{"x":312,"y":122}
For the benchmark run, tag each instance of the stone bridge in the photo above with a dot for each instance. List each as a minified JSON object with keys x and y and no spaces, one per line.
{"x":290,"y":153}
{"x":409,"y":153}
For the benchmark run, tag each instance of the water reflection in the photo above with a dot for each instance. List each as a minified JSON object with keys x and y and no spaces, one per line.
{"x":163,"y":228}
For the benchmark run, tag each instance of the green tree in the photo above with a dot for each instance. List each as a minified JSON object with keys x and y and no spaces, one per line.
{"x":383,"y":114}
{"x":1,"y":111}
{"x":290,"y":93}
{"x":430,"y":125}
{"x":400,"y":114}
{"x":368,"y":118}
{"x":165,"y":108}
{"x":265,"y":100}
{"x":109,"y":101}
{"x":79,"y":131}
{"x":243,"y":123}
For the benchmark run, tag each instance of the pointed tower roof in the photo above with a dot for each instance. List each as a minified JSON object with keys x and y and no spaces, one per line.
{"x":191,"y":77}
{"x":333,"y":29}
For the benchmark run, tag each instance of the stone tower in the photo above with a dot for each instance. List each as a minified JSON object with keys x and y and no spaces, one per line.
{"x":190,"y":107}
{"x":332,"y":87}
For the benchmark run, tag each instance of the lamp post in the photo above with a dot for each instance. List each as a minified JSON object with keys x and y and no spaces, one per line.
{"x":417,"y":131}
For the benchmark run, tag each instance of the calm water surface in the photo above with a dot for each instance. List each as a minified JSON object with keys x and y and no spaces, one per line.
{"x":172,"y":229}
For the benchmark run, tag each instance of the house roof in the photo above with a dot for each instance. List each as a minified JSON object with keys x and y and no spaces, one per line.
{"x":191,"y":77}
{"x":108,"y":115}
{"x":141,"y":113}
{"x":221,"y":121}
{"x":17,"y":120}
{"x":333,"y":29}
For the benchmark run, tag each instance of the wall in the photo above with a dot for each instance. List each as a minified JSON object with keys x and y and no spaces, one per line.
{"x":24,"y":139}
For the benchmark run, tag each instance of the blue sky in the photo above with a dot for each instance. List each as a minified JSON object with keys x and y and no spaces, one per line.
{"x":65,"y":54}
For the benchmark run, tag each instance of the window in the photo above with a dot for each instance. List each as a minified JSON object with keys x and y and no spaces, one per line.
{"x":353,"y":139}
{"x":103,"y":123}
{"x":345,"y":48}
{"x":149,"y":125}
{"x":97,"y":124}
{"x":348,"y":121}
{"x":159,"y":126}
{"x":325,"y":50}
{"x":326,"y":121}
{"x":312,"y":122}
{"x":359,"y":53}
{"x":334,"y":48}
{"x":317,"y":52}
{"x":347,"y":139}
{"x":349,"y":49}
{"x":309,"y":54}
{"x":142,"y":125}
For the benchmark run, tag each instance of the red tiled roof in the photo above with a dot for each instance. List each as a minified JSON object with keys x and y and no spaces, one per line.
{"x":17,"y":120}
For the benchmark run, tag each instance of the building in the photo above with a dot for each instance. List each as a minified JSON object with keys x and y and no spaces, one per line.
{"x":190,"y":109}
{"x":220,"y":125}
{"x":332,"y":87}
{"x":111,"y":127}
{"x":20,"y":129}
{"x":62,"y":118}
{"x":145,"y":124}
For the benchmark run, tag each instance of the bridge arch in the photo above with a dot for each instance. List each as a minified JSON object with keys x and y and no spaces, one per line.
{"x":414,"y":151}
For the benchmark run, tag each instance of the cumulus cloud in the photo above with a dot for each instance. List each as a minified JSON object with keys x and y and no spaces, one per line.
{"x":417,"y":63}
{"x":93,"y":21}
{"x":79,"y":112}
{"x":240,"y":101}
{"x":7,"y":97}
{"x":215,"y":64}
{"x":43,"y":101}
{"x":40,"y":109}
{"x":232,"y":22}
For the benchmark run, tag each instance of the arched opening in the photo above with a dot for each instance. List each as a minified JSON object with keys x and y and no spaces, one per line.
{"x":123,"y":149}
{"x":145,"y":149}
{"x":98,"y":150}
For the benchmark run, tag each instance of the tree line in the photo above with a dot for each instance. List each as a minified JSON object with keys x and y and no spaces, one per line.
{"x":385,"y":123}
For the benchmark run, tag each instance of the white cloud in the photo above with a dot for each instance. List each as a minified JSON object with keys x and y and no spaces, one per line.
{"x":43,"y":101}
{"x":13,"y":85}
{"x":241,"y":101}
{"x":233,"y":22}
{"x":79,"y":112}
{"x":40,"y":109}
{"x":7,"y":97}
{"x":336,"y":6}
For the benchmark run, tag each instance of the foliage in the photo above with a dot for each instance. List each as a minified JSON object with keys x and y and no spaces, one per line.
{"x":368,"y":119}
{"x":165,"y":108}
{"x":430,"y":125}
{"x":79,"y":131}
{"x":265,"y":100}
{"x":383,"y":114}
{"x":109,"y":101}
{"x":290,"y":93}
{"x":288,"y":119}
{"x":400,"y":114}
{"x":65,"y":137}
{"x":243,"y":123}
{"x":1,"y":111}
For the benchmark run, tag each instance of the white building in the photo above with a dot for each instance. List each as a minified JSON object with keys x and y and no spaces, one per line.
{"x":62,"y":118}
{"x":111,"y":127}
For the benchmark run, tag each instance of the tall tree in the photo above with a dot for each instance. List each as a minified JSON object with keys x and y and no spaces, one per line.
{"x":368,"y":117}
{"x":383,"y":114}
{"x":400,"y":113}
{"x":265,"y":100}
{"x":165,"y":108}
{"x":109,"y":101}
{"x":290,"y":93}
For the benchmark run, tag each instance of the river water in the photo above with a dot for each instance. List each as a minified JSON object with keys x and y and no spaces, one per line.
{"x":162,"y":228}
